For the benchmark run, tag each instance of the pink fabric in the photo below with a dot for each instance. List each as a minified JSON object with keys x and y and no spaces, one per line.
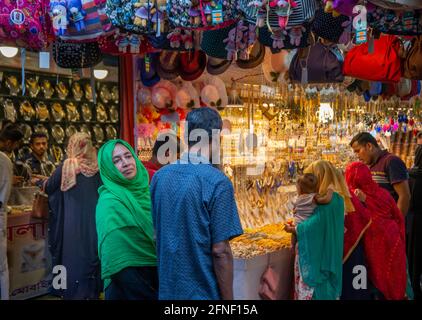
{"x":81,"y":158}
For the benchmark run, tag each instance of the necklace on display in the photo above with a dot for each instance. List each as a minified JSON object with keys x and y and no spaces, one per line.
{"x":12,"y":84}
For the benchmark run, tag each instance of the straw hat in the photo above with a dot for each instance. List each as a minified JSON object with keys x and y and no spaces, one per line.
{"x":214,"y":93}
{"x":164,"y":95}
{"x":187,"y":97}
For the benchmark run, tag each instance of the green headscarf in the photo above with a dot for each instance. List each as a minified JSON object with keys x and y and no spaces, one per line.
{"x":320,"y":241}
{"x":123,"y":202}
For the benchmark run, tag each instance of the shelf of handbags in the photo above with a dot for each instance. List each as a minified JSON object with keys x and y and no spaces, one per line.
{"x":59,"y":107}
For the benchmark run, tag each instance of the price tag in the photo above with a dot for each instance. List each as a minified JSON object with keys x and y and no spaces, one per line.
{"x":217,"y":14}
{"x":360,"y":24}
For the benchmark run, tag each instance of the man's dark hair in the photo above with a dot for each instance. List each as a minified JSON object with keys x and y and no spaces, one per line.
{"x":419,"y":134}
{"x":206,"y":119}
{"x":37,"y":135}
{"x":11,"y":132}
{"x":160,"y":142}
{"x":363,"y":138}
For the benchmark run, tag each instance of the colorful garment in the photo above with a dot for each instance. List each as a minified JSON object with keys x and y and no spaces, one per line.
{"x":320,"y":249}
{"x":151,"y":167}
{"x":44,"y":167}
{"x":302,"y":290}
{"x":81,"y":158}
{"x":193,"y":209}
{"x":124,"y":222}
{"x":388,"y":170}
{"x":384,"y":240}
{"x":304,"y":207}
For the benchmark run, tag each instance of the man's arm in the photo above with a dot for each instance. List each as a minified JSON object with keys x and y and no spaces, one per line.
{"x":223,"y":268}
{"x":403,"y":190}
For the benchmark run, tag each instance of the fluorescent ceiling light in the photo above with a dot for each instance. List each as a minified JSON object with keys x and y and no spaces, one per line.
{"x":100,"y":73}
{"x":9,"y":52}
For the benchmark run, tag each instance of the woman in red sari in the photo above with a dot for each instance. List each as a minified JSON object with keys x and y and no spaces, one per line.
{"x":384,"y":240}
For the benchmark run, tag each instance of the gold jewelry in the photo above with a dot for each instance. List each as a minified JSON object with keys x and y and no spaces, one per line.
{"x":58,"y":133}
{"x":70,"y":131}
{"x":99,"y":134}
{"x":72,"y":112}
{"x":27,"y":132}
{"x":114,"y":114}
{"x":111,"y":132}
{"x":9,"y":110}
{"x":27,"y":111}
{"x":86,"y":112}
{"x":105,"y":94}
{"x":12,"y":84}
{"x":57,"y":153}
{"x":47,"y":89}
{"x":62,"y":90}
{"x":42,"y":112}
{"x":88,"y":92}
{"x":115,"y":94}
{"x":57,"y":111}
{"x":85,"y":129}
{"x":101,"y":113}
{"x":77,"y":91}
{"x":33,"y":87}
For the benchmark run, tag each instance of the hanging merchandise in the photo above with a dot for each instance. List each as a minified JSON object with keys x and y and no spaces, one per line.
{"x":214,"y":93}
{"x":398,"y":4}
{"x":79,"y":20}
{"x":148,"y":69}
{"x":275,"y":65}
{"x":163,"y":95}
{"x":25,"y":24}
{"x":318,"y":64}
{"x":192,"y":64}
{"x":202,"y":14}
{"x":396,"y":22}
{"x":138,"y":16}
{"x":255,"y":58}
{"x":187,"y":97}
{"x":168,"y":65}
{"x":382,"y":65}
{"x":76,"y":55}
{"x":282,"y":14}
{"x":412,"y":65}
{"x":339,"y":7}
{"x":291,"y":38}
{"x":328,"y":27}
{"x":123,"y":43}
{"x":216,"y":66}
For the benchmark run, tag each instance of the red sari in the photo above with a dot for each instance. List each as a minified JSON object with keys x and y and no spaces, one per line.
{"x":384,"y":241}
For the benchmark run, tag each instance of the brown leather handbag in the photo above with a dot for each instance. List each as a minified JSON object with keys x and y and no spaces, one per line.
{"x":40,"y":208}
{"x":413,"y":60}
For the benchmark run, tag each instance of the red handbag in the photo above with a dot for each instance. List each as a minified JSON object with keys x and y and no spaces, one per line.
{"x":383,"y":64}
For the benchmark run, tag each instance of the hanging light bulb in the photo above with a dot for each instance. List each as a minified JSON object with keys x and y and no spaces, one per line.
{"x":100,"y":73}
{"x":9,"y":52}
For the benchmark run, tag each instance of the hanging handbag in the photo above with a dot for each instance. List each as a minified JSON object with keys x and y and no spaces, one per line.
{"x":412,"y":66}
{"x":318,"y":64}
{"x":40,"y":208}
{"x":328,"y":27}
{"x":382,"y":65}
{"x":72,"y":55}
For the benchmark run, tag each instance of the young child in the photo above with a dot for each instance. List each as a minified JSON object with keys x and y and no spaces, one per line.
{"x":308,"y":197}
{"x":306,"y":202}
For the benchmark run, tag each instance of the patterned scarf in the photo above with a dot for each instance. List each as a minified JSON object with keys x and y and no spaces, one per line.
{"x":81,"y":158}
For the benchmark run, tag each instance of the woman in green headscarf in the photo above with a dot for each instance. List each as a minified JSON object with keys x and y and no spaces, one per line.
{"x":126,"y":243}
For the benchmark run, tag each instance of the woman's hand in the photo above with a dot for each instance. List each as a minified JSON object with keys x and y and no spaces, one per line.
{"x":361,"y":195}
{"x":290,"y":227}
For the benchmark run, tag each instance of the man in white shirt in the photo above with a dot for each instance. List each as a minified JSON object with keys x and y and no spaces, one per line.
{"x":10,"y":138}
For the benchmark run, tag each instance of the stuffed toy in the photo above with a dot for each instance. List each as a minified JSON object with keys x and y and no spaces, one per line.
{"x":143,"y":13}
{"x":278,"y":37}
{"x":76,"y":14}
{"x":58,"y":14}
{"x":135,"y":43}
{"x":235,"y":41}
{"x":187,"y":39}
{"x":175,"y":38}
{"x":283,"y":10}
{"x":296,"y":34}
{"x":262,"y":11}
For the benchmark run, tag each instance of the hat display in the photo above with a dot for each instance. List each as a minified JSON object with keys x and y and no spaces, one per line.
{"x":168,"y":64}
{"x":212,"y":42}
{"x":148,"y":69}
{"x":192,"y":64}
{"x":163,"y":95}
{"x":256,"y":56}
{"x":216,"y":66}
{"x":274,"y":65}
{"x":214,"y":93}
{"x":187,"y":97}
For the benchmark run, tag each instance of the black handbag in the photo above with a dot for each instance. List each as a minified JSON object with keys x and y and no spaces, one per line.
{"x":328,"y":27}
{"x":72,"y":55}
